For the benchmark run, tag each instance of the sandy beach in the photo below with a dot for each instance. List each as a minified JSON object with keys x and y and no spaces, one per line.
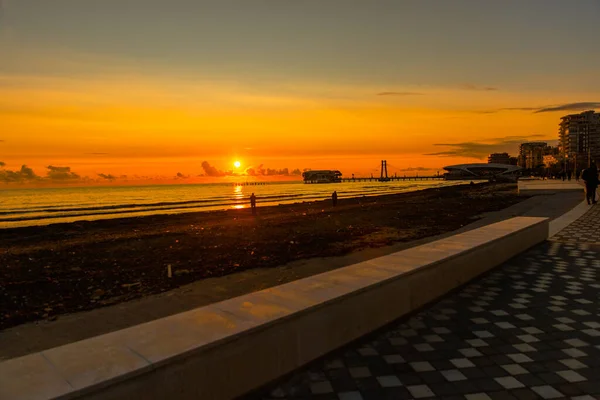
{"x":57,"y":269}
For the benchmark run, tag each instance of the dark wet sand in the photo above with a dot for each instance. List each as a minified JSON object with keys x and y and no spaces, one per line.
{"x":59,"y":269}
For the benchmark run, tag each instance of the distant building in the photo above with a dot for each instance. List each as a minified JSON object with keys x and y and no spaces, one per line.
{"x":499,"y":158}
{"x":513,"y":161}
{"x":579,"y":136}
{"x":322,"y":176}
{"x":531,"y":154}
{"x":550,"y":160}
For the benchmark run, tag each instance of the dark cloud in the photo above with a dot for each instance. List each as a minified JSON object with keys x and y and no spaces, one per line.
{"x":108,"y":177}
{"x":261,"y":171}
{"x":571,"y":107}
{"x":470,"y":86}
{"x":399,"y":94}
{"x":209,"y":170}
{"x":2,"y":164}
{"x":582,"y":106}
{"x":507,"y":144}
{"x":61,"y":173}
{"x":519,"y":109}
{"x":181,"y":176}
{"x":25,"y":174}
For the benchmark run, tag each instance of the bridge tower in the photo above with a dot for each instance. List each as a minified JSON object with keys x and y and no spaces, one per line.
{"x":384,"y":171}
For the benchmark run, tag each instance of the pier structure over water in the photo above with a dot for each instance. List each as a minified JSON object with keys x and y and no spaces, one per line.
{"x":383,"y":176}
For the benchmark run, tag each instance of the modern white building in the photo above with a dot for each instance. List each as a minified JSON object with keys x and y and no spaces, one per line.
{"x":481,"y":171}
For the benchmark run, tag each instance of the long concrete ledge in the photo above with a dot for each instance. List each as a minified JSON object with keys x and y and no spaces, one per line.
{"x":542,"y":187}
{"x":230,"y":348}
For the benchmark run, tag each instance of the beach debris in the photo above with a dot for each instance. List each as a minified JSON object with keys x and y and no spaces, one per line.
{"x":169,"y":271}
{"x":129,"y":285}
{"x":182,"y":272}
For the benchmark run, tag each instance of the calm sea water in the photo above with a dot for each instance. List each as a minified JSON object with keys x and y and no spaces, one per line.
{"x":26,"y":207}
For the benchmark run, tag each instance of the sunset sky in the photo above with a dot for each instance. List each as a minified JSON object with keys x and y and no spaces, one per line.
{"x":150,"y":89}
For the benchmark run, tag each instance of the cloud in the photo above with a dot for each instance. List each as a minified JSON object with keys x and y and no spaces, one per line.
{"x":61,"y":173}
{"x":470,"y":86}
{"x":25,"y":174}
{"x":108,"y":177}
{"x":261,"y":171}
{"x":181,"y":176}
{"x":519,"y":109}
{"x":400,"y":94}
{"x":582,"y":106}
{"x":507,"y":144}
{"x":2,"y":164}
{"x":209,"y":170}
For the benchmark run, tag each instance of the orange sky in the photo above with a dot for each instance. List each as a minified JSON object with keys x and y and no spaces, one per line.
{"x":74,"y":98}
{"x":156,"y":126}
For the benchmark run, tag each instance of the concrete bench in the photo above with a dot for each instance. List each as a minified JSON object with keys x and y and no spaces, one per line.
{"x":230,"y":348}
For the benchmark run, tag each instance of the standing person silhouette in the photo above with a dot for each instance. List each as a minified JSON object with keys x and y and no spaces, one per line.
{"x":253,"y":203}
{"x":590,"y":177}
{"x":334,"y":198}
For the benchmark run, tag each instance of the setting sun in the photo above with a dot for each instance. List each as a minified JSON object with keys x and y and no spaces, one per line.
{"x":237,"y":164}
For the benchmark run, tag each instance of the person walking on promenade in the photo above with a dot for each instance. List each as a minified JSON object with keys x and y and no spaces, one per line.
{"x":590,"y":177}
{"x":569,"y":174}
{"x":577,"y":175}
{"x":253,"y":203}
{"x":334,"y":198}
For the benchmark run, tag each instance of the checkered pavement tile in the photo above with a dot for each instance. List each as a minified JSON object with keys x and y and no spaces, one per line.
{"x":479,"y":343}
{"x":585,"y":230}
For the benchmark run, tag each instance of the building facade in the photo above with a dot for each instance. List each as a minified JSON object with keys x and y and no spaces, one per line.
{"x":579,"y":136}
{"x":531,"y":154}
{"x":499,"y":158}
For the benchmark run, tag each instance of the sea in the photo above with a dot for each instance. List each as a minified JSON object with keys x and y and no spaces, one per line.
{"x":44,"y":206}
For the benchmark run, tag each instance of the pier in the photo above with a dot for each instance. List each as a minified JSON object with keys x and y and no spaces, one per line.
{"x":393,"y":178}
{"x":383,"y":176}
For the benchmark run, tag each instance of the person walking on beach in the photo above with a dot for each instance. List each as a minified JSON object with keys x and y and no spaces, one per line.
{"x":334,"y":198}
{"x":253,"y":203}
{"x":590,"y":177}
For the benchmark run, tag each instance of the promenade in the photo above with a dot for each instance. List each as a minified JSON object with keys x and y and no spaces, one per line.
{"x":529,"y":329}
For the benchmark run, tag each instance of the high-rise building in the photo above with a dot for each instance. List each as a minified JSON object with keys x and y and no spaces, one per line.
{"x":531,"y":154}
{"x":579,"y":136}
{"x":499,"y":158}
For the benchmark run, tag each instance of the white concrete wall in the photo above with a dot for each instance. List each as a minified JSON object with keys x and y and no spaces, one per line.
{"x":230,"y":348}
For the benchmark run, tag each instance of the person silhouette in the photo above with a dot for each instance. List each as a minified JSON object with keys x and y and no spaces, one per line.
{"x":590,"y":177}
{"x":334,"y":198}
{"x":253,"y":203}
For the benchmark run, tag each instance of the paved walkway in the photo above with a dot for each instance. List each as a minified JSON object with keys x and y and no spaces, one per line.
{"x":530,"y":329}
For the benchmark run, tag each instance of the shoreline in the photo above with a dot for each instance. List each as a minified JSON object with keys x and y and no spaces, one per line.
{"x":51,"y":214}
{"x":64,"y":268}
